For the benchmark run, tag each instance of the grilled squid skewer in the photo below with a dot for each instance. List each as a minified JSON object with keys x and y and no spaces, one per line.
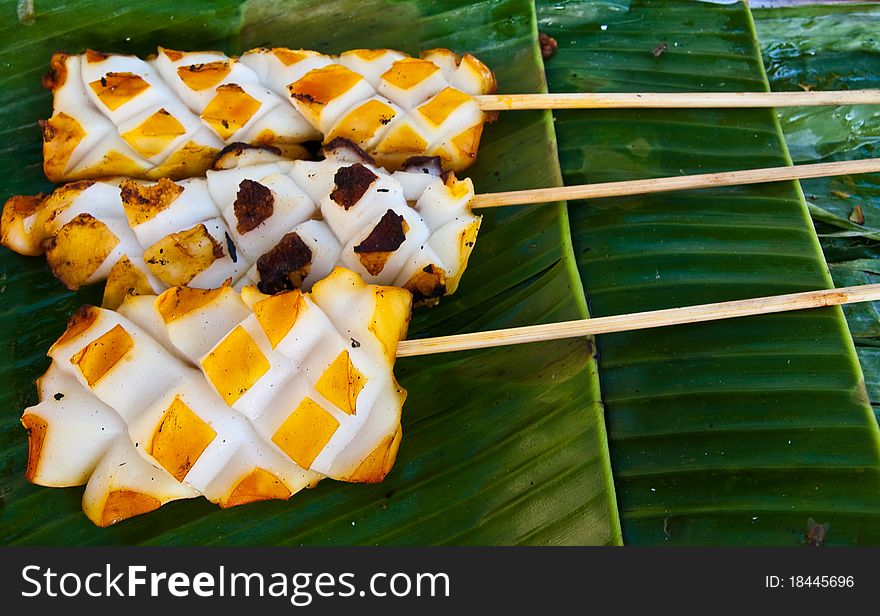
{"x":169,"y":115}
{"x":257,"y":219}
{"x":238,"y":397}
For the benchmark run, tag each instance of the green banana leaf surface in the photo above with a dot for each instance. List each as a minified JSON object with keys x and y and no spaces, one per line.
{"x":743,"y":432}
{"x":503,"y":446}
{"x":835,"y":47}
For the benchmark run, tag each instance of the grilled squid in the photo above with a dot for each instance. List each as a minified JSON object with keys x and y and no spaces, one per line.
{"x":257,"y":219}
{"x":169,"y":115}
{"x":237,"y":397}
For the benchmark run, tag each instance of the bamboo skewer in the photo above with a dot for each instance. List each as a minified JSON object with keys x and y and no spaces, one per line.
{"x":679,"y":182}
{"x":641,"y":320}
{"x":676,"y":100}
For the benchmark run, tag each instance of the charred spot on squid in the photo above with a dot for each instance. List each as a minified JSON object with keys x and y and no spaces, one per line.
{"x":429,"y":165}
{"x":46,"y":129}
{"x":57,"y":74}
{"x":96,"y":56}
{"x":306,"y":98}
{"x":253,"y":205}
{"x":143,"y":202}
{"x":179,"y":257}
{"x":345,"y":149}
{"x":286,"y":266}
{"x":351,"y":184}
{"x":230,"y":248}
{"x":240,"y":154}
{"x":217,"y":249}
{"x":427,"y":285}
{"x":385,"y":238}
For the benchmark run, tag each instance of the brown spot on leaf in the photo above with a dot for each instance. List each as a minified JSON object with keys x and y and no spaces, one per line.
{"x":816,"y":533}
{"x":548,"y":45}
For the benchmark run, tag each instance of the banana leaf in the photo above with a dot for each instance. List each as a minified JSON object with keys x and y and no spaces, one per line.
{"x":835,"y":47}
{"x":743,"y":432}
{"x":503,"y":446}
{"x":509,"y":446}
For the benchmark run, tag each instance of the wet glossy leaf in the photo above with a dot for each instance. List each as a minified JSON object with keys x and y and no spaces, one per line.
{"x":500,"y":447}
{"x":726,"y":433}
